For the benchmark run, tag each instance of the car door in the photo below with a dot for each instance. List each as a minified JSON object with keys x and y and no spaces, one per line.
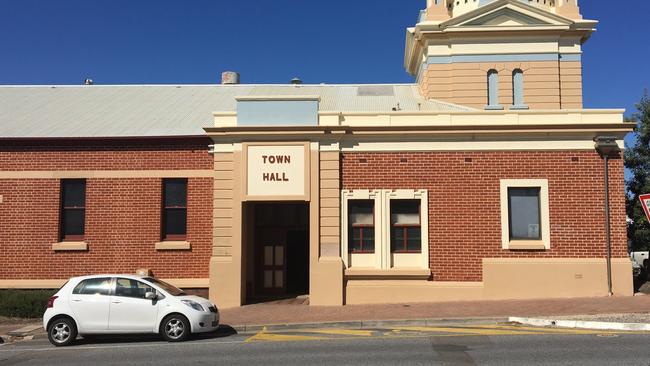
{"x":130,"y":311}
{"x":89,"y":302}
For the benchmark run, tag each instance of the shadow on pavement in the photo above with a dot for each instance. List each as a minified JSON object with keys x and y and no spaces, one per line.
{"x":222,"y":332}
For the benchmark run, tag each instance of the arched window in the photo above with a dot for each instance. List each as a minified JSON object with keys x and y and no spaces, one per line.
{"x":518,"y":89}
{"x":493,"y":89}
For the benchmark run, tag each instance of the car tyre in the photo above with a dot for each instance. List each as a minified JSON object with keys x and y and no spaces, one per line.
{"x":175,"y":328}
{"x":62,"y":332}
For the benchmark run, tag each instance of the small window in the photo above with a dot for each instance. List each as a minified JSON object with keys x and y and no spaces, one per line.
{"x":493,"y":88}
{"x":361,"y":232}
{"x":406,"y":234}
{"x":174,"y":215}
{"x":524,"y":213}
{"x":518,"y":89}
{"x":93,"y":286}
{"x":73,"y":209}
{"x":131,"y":288}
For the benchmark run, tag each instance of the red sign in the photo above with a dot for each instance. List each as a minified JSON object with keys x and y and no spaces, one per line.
{"x":645,"y":202}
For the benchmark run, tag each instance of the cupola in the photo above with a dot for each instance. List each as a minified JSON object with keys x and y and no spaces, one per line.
{"x":500,"y":54}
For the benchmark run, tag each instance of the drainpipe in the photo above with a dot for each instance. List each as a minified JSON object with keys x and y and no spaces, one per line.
{"x":607,"y":147}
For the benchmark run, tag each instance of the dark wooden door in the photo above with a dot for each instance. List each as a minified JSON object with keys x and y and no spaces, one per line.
{"x":272,"y":261}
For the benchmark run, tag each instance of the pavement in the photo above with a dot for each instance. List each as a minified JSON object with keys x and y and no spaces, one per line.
{"x":449,"y":344}
{"x":263,"y":314}
{"x":292,"y":315}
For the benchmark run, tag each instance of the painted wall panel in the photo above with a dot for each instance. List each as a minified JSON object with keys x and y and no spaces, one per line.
{"x":277,"y":112}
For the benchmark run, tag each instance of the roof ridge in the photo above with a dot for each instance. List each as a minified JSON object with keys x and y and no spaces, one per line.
{"x":199,"y":85}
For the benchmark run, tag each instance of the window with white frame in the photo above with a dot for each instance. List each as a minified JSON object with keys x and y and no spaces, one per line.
{"x":405,"y":235}
{"x":525,"y":214}
{"x":361,"y":229}
{"x":385,"y":229}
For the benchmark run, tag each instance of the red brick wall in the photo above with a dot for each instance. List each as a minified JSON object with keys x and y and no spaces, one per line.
{"x":122,"y":215}
{"x":464,"y":207}
{"x":106,"y":155}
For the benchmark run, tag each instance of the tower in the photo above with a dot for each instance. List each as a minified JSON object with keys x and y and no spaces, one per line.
{"x":569,"y":9}
{"x":500,"y":54}
{"x":437,"y":10}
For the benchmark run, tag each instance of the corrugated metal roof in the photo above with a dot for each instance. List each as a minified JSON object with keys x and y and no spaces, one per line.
{"x":173,"y":110}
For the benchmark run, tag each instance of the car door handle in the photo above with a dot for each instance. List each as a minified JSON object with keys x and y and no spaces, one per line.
{"x":76,"y":300}
{"x":116,"y":302}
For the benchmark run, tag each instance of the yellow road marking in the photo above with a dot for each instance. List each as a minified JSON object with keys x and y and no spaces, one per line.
{"x":274,"y":337}
{"x":477,"y":331}
{"x":334,"y":331}
{"x":450,"y":331}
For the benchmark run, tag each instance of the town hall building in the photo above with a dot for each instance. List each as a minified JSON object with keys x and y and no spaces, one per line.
{"x":480,"y":180}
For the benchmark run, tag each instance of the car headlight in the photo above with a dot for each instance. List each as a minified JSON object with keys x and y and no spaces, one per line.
{"x":193,"y":304}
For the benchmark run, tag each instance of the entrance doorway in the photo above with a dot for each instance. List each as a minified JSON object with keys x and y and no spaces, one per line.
{"x":280,"y":250}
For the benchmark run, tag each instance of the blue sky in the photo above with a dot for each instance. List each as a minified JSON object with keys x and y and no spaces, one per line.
{"x":334,"y":41}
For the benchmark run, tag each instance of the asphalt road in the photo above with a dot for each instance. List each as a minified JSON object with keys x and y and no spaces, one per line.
{"x":488,"y":345}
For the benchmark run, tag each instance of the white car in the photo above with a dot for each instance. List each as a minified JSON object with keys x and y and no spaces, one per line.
{"x":122,"y":304}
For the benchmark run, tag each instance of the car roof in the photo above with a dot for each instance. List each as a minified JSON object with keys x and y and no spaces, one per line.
{"x":130,"y":276}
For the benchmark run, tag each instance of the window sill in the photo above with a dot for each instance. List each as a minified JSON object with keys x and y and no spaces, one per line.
{"x":70,"y":246}
{"x":173,"y":245}
{"x":494,"y":108}
{"x":371,"y":273}
{"x":521,"y":107}
{"x":526,"y":245}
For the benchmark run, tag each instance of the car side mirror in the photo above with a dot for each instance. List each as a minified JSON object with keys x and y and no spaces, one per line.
{"x":150,"y":295}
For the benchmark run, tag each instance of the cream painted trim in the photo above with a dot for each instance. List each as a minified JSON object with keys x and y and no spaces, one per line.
{"x":189,"y":282}
{"x":486,"y":118}
{"x":552,"y":260}
{"x":332,"y":146}
{"x":31,"y":284}
{"x":70,"y":246}
{"x":307,"y":172}
{"x":173,"y":245}
{"x":477,"y":112}
{"x":364,"y":260}
{"x":222,"y":148}
{"x":473,"y":131}
{"x":402,"y":273}
{"x":382,"y":258}
{"x":101,"y":174}
{"x":433,"y":145}
{"x":527,"y":245}
{"x":415,"y":260}
{"x":545,"y":230}
{"x":464,"y":118}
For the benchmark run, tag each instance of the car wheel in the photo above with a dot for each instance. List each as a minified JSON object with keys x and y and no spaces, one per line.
{"x":62,"y":332}
{"x":175,"y":328}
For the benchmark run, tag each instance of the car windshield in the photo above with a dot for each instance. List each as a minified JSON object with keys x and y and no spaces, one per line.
{"x":172,"y":290}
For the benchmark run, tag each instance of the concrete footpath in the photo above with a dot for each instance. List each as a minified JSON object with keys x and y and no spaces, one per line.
{"x":252,"y":318}
{"x":259,"y":314}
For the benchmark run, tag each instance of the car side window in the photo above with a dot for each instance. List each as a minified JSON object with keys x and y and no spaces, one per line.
{"x":93,"y":286}
{"x":126,"y":287}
